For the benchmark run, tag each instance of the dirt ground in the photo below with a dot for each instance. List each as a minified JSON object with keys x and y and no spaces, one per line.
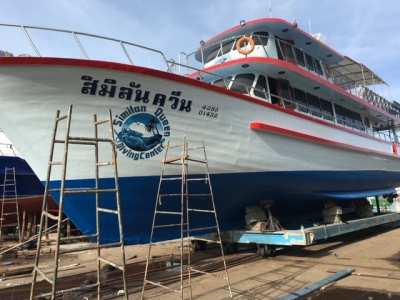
{"x":374,"y":254}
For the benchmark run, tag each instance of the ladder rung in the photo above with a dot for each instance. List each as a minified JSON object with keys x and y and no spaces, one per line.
{"x":201,"y":210}
{"x":175,"y":146}
{"x":188,"y":179}
{"x":199,"y":195}
{"x":43,"y":275}
{"x":107,"y":210}
{"x":90,"y":139}
{"x":105,"y":163}
{"x":50,"y":216}
{"x":108,"y":262}
{"x":172,"y":195}
{"x":101,"y":122}
{"x":197,"y":179}
{"x":84,"y":190}
{"x":168,"y":212}
{"x":62,"y":118}
{"x":205,"y":273}
{"x":109,"y":245}
{"x":56,"y":163}
{"x":74,"y":237}
{"x":196,"y":148}
{"x":161,"y":286}
{"x":171,"y":178}
{"x":10,"y":214}
{"x":171,"y":160}
{"x":203,"y":228}
{"x":9,"y":225}
{"x":15,"y":202}
{"x":169,"y":225}
{"x":197,"y":160}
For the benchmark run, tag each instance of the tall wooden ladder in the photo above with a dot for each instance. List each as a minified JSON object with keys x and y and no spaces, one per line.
{"x":64,"y":191}
{"x":185,"y":212}
{"x":9,"y":216}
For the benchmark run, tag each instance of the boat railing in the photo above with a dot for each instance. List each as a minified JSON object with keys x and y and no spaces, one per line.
{"x":77,"y":36}
{"x":357,"y":126}
{"x":7,"y":149}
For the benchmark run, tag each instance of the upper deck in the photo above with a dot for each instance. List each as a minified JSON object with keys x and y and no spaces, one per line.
{"x":278,"y":39}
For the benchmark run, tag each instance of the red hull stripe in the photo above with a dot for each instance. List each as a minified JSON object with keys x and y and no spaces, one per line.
{"x":263,"y":127}
{"x":296,"y":69}
{"x":168,"y":76}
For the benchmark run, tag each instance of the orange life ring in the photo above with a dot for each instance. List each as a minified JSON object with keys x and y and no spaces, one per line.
{"x":244,"y":41}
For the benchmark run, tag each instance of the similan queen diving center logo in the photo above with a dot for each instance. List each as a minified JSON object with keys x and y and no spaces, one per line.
{"x":141,"y":134}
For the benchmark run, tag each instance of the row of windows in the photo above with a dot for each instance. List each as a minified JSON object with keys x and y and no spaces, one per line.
{"x":294,"y":55}
{"x":260,"y":39}
{"x":305,"y":102}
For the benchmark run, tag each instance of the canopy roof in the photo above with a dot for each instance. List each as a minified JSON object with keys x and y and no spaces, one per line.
{"x":349,"y":74}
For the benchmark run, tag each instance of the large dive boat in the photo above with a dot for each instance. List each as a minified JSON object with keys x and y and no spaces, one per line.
{"x":285,"y":118}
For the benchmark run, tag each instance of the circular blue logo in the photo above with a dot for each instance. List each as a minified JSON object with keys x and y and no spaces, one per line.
{"x":140,"y":134}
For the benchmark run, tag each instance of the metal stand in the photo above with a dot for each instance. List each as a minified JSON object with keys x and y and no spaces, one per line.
{"x":10,"y":200}
{"x":184,"y":213}
{"x":63,"y":191}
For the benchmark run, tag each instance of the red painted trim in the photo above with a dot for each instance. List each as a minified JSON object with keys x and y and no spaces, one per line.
{"x":38,"y":61}
{"x":263,"y":127}
{"x":272,"y":20}
{"x":296,"y":69}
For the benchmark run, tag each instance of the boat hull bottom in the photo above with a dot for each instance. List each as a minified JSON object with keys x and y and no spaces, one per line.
{"x":294,"y":193}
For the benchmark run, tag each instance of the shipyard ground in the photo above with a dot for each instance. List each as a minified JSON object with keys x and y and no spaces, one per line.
{"x":373,"y":253}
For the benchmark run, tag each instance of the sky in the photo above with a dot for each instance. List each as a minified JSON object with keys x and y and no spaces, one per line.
{"x":365,"y":30}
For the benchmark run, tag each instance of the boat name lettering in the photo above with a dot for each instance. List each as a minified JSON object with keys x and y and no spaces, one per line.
{"x":141,"y":134}
{"x":133,"y":92}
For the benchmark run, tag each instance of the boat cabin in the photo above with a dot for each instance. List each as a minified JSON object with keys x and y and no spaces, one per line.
{"x":273,"y":60}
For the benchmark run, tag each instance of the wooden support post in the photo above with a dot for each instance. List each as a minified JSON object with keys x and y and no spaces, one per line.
{"x":34,"y":225}
{"x":378,"y":208}
{"x":29,"y":227}
{"x":22,"y":233}
{"x":68,"y":229}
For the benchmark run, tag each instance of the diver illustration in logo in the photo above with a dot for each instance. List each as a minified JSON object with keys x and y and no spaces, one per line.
{"x":141,"y":134}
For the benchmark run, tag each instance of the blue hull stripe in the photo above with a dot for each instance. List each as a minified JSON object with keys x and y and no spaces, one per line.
{"x":293,"y":193}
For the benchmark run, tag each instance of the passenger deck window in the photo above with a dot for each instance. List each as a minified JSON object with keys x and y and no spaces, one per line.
{"x":314,"y":103}
{"x":212,"y":54}
{"x":223,"y":82}
{"x":261,"y":38}
{"x":310,"y":62}
{"x":300,"y":57}
{"x":326,"y":108}
{"x":287,"y":52}
{"x":243,"y":83}
{"x":300,"y":97}
{"x":273,"y":89}
{"x":261,"y":87}
{"x":227,"y":46}
{"x":318,"y":67}
{"x":285,"y":90}
{"x":278,"y":49}
{"x":348,"y":117}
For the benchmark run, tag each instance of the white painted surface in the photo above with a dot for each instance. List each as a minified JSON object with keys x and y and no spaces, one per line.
{"x":30,"y":96}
